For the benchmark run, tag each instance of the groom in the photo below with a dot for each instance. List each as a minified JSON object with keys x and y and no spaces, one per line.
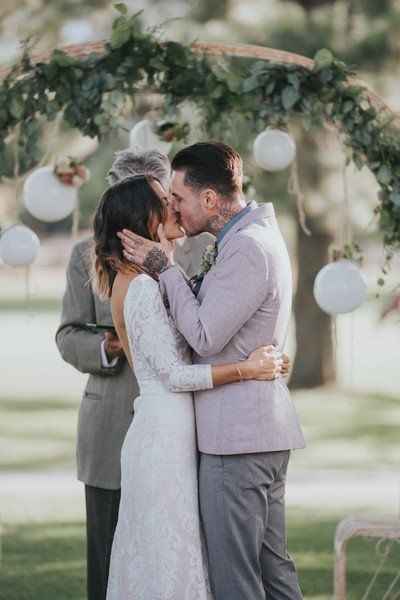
{"x":245,"y":430}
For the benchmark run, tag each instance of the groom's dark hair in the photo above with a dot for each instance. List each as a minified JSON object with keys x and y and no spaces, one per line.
{"x":211,"y":164}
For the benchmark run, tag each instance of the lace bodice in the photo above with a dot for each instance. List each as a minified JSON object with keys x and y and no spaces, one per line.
{"x":159,"y":352}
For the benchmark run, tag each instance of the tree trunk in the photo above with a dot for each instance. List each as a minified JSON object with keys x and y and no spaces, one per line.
{"x":314,"y":362}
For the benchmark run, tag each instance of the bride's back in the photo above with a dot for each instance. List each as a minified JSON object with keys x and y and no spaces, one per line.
{"x":118,"y":295}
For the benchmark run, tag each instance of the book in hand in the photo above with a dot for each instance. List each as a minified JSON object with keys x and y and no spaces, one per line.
{"x":97,"y":328}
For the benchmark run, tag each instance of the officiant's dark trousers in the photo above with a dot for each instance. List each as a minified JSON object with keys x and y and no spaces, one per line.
{"x":101,"y":519}
{"x":243,"y":513}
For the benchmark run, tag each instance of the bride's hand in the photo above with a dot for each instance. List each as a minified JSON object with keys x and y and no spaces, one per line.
{"x":263,"y":364}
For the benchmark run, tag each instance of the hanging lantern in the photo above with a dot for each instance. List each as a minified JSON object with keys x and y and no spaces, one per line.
{"x":274,"y":150}
{"x":47,"y":198}
{"x":340,"y":287}
{"x":143,"y":135}
{"x":19,"y":246}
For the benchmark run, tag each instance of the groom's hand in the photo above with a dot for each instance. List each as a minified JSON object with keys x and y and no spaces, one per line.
{"x":286,"y":365}
{"x":153,"y":257}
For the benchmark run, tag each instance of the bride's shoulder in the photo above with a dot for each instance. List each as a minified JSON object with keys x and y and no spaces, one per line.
{"x":143,"y":298}
{"x":144,"y":282}
{"x":143,"y":286}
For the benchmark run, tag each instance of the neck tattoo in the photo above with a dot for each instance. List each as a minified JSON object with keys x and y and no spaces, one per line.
{"x":226,"y":213}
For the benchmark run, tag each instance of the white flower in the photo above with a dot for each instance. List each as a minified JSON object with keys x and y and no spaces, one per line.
{"x":209,"y":257}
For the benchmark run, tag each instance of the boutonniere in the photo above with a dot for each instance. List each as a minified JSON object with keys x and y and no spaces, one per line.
{"x":209,"y":257}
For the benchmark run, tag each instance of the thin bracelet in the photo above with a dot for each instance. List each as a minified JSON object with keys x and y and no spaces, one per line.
{"x":239,"y":373}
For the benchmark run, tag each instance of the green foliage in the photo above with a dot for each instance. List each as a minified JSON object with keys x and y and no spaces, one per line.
{"x":91,"y":92}
{"x":206,"y":10}
{"x":373,"y":8}
{"x":295,"y":36}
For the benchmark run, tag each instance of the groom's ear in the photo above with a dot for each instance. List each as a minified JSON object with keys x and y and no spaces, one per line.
{"x":209,"y":199}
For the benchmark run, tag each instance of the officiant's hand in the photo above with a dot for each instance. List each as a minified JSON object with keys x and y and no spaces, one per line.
{"x":112,"y":346}
{"x":153,"y":257}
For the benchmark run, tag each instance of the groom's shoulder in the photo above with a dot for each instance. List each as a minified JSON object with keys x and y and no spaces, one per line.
{"x":252,"y":236}
{"x":247,"y":244}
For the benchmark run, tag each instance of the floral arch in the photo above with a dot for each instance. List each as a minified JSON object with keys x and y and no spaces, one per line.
{"x":88,"y":84}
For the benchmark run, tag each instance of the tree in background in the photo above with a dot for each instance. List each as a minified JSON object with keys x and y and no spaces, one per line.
{"x":362,"y":33}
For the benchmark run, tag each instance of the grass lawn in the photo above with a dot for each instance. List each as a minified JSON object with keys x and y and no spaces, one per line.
{"x":344,"y":430}
{"x":33,"y":305}
{"x":46,"y":561}
{"x":43,"y":561}
{"x":37,"y":434}
{"x":348,"y":430}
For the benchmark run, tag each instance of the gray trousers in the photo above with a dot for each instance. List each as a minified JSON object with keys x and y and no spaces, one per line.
{"x":101,"y":520}
{"x":243,"y":514}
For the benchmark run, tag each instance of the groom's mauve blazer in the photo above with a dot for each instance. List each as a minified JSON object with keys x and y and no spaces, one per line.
{"x":244,"y":302}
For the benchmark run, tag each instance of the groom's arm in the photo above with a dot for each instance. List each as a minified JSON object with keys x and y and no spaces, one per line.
{"x":237,"y":289}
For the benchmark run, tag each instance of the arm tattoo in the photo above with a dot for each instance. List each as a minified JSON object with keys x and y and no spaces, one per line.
{"x":155,"y":262}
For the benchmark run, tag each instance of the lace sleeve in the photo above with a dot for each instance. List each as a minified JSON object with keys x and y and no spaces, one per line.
{"x":153,"y":337}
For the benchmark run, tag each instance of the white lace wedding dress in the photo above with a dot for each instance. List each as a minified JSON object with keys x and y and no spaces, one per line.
{"x":157,"y":548}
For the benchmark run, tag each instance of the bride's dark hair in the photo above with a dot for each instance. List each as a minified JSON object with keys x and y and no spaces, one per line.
{"x":128,"y":204}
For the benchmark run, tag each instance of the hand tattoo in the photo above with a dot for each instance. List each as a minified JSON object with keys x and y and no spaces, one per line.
{"x":155,"y":262}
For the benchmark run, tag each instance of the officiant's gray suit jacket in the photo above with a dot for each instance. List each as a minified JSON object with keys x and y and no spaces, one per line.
{"x":106,"y":408}
{"x":244,"y":302}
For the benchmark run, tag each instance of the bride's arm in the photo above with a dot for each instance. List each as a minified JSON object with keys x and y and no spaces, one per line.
{"x":152,"y":336}
{"x":262,"y":364}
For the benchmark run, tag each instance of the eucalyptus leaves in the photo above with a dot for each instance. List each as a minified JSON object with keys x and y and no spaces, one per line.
{"x":91,"y":91}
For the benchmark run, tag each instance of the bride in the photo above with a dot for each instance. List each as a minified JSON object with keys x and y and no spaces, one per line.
{"x":157,"y":549}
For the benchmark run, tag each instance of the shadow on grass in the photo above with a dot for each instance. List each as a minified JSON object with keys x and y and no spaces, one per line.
{"x":43,"y":561}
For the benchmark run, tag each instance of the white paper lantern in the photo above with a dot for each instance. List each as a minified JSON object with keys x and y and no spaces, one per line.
{"x":143,"y":135}
{"x":274,"y":150}
{"x":46,"y":198}
{"x":19,"y":246}
{"x":340,"y":287}
{"x":77,"y":31}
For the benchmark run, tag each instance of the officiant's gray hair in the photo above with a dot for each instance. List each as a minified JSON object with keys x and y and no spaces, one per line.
{"x":134,"y":161}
